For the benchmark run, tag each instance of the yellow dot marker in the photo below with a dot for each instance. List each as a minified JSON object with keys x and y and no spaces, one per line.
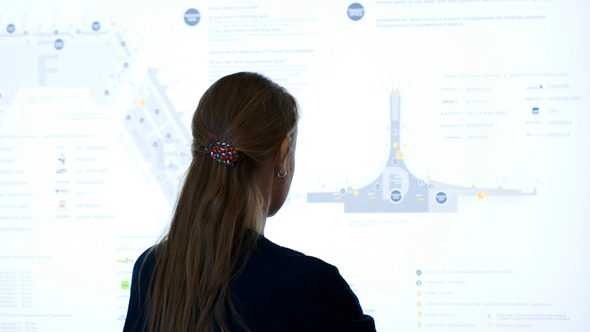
{"x":142,"y":102}
{"x":399,"y":154}
{"x":356,"y":192}
{"x":480,"y":195}
{"x":395,"y":145}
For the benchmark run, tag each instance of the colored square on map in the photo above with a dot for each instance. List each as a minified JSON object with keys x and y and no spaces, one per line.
{"x":535,"y":110}
{"x":125,"y":285}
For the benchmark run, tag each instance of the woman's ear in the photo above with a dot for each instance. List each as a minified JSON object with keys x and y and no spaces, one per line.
{"x":282,"y":155}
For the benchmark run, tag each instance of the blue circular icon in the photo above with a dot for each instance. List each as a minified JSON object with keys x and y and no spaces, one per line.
{"x":155,"y":144}
{"x":377,"y":186}
{"x":107,"y":92}
{"x":58,"y":44}
{"x":342,"y":191}
{"x":123,"y":44}
{"x":418,"y":272}
{"x":441,"y":198}
{"x":421,"y":182}
{"x":355,"y":11}
{"x":56,"y":32}
{"x":396,"y":196}
{"x":431,"y":186}
{"x":95,"y":26}
{"x":419,"y":283}
{"x":128,"y":117}
{"x":141,"y":120}
{"x":395,"y":161}
{"x":125,"y":65}
{"x":10,"y":28}
{"x":192,"y":17}
{"x":168,"y":136}
{"x":395,"y":132}
{"x":157,"y":111}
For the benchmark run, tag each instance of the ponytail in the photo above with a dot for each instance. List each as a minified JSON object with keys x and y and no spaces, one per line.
{"x":221,"y":210}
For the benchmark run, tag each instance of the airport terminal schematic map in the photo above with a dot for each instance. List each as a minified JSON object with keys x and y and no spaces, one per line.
{"x":398,"y":190}
{"x":95,"y":111}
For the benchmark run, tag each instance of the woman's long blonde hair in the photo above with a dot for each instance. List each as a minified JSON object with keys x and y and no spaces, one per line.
{"x":198,"y":259}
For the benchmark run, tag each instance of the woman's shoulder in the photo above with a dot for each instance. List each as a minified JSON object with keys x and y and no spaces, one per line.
{"x":146,"y":260}
{"x":302,"y":273}
{"x":142,"y":272}
{"x":143,"y":269}
{"x":310,"y":291}
{"x":289,"y":260}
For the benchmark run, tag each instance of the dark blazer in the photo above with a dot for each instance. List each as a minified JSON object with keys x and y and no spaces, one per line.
{"x":279,"y":290}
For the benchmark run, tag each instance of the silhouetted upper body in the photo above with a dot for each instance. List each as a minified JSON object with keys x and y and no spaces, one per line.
{"x":279,"y":290}
{"x":214,"y":269}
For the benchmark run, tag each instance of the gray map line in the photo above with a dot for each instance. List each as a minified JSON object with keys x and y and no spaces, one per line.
{"x":156,"y":84}
{"x":156,"y":130}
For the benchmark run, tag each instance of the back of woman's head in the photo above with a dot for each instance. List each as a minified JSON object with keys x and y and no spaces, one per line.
{"x":248,"y":110}
{"x":219,"y":203}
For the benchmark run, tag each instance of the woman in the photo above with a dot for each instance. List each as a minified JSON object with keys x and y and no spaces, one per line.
{"x":215,"y":271}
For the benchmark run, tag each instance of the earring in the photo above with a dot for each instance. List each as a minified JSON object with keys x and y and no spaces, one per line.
{"x":282,"y":175}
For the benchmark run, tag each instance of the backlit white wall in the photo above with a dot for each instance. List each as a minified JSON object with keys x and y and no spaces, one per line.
{"x":441,"y":165}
